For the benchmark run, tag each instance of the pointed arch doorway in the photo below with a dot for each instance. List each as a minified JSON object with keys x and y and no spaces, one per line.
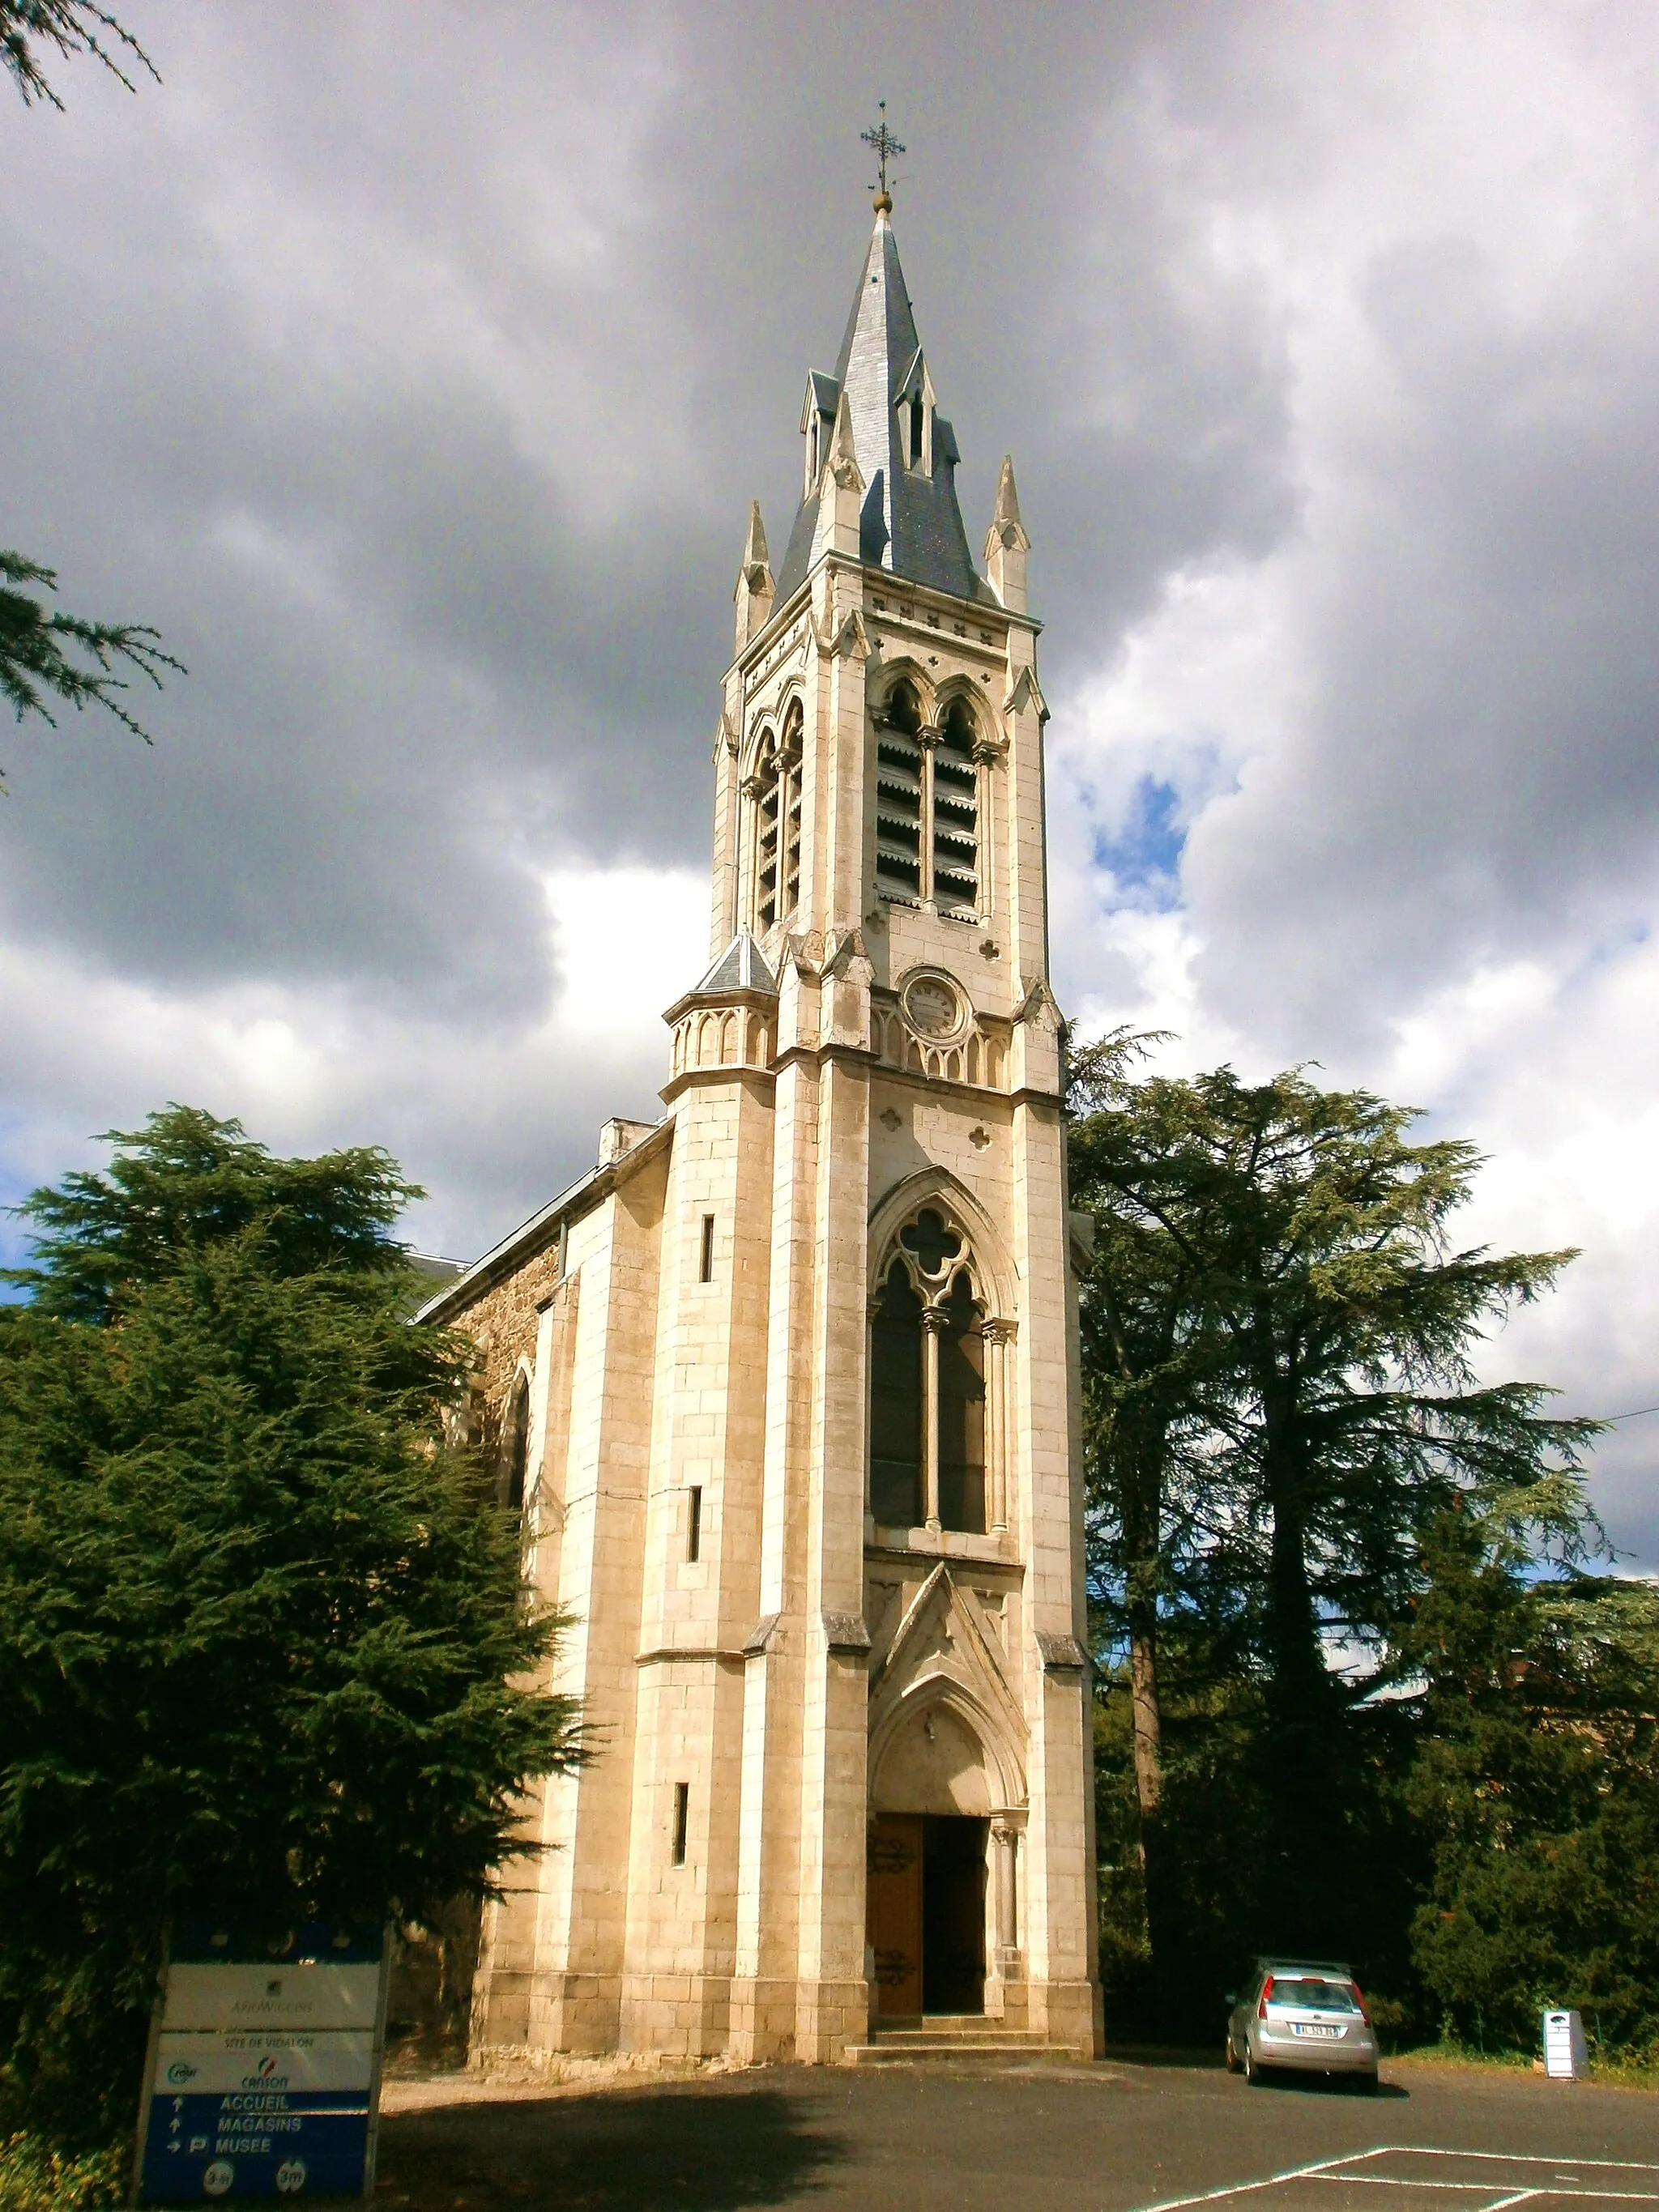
{"x":926,"y":1870}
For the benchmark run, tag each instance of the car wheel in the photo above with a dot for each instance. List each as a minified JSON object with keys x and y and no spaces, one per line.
{"x":1231,"y":2061}
{"x":1254,"y":2073}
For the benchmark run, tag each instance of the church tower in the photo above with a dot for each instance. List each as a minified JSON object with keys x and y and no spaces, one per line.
{"x":788,"y":1386}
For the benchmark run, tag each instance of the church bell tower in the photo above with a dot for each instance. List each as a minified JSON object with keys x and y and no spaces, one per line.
{"x":799,"y":1399}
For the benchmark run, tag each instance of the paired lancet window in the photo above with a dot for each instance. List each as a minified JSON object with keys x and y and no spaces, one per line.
{"x":934,"y":1403}
{"x":928,"y":805}
{"x":772,"y":794}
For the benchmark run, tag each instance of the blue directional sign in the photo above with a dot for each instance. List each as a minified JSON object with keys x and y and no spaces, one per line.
{"x":264,"y":2069}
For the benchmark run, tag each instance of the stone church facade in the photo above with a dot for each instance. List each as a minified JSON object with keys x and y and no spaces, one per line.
{"x":787,"y":1387}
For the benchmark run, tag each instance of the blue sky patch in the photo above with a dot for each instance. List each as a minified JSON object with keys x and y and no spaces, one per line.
{"x":1144,"y":854}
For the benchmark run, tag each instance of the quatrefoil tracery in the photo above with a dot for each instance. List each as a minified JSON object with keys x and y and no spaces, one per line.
{"x":931,"y":1244}
{"x":938,"y":1259}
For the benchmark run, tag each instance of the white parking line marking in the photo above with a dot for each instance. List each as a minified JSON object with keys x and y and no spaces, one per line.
{"x":1243,"y":2188}
{"x":1340,"y":2168}
{"x":1517,"y":2158}
{"x":1477,"y":2188}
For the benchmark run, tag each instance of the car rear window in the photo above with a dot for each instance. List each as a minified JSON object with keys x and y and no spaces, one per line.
{"x":1306,"y":1994}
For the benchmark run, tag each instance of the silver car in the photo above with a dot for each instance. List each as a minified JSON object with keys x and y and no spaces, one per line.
{"x":1305,"y":2014}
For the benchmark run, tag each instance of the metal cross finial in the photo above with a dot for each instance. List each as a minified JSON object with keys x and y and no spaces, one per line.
{"x":885,"y":146}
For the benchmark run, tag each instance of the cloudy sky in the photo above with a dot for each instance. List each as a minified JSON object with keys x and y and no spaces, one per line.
{"x":412,"y":366}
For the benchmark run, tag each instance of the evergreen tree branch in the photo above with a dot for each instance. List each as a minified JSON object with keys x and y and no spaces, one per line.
{"x":71,"y":27}
{"x":33,"y":664}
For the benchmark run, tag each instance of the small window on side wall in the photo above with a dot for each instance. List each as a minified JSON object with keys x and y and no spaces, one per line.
{"x":515,"y":1443}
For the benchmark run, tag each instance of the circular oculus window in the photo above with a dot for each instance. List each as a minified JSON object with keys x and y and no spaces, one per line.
{"x":933,"y":1006}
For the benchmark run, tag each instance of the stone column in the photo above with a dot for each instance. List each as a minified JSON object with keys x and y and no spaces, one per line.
{"x":933,"y":1321}
{"x":748,"y":842}
{"x":927,"y":737}
{"x":997,"y":1335}
{"x":1005,"y":1842}
{"x":987,"y":754}
{"x":1005,"y":1995}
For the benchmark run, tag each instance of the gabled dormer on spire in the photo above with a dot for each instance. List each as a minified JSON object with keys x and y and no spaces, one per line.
{"x":905,"y":450}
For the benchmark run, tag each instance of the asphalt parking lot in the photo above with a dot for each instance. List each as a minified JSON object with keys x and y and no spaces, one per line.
{"x":1115,"y":2138}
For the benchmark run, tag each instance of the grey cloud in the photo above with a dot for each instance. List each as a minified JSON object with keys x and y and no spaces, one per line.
{"x":499,"y":637}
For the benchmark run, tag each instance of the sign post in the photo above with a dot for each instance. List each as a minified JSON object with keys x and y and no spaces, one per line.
{"x":263,"y":2075}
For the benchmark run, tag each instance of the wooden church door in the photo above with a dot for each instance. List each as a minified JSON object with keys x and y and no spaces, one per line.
{"x":893,"y":1913}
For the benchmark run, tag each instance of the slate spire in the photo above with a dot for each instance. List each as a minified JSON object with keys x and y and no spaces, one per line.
{"x":906,"y":450}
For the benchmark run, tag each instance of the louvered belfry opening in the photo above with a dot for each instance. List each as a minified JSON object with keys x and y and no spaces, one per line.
{"x":776,"y":801}
{"x":789,"y":805}
{"x":956,"y":815}
{"x":766,"y":799}
{"x":898,"y":796}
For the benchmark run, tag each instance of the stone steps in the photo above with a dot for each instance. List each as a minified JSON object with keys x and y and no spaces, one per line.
{"x":950,"y":2038}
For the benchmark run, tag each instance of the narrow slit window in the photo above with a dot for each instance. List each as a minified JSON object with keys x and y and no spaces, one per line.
{"x":681,"y":1815}
{"x":706,"y":1261}
{"x":694,"y":1523}
{"x":516,"y":1445}
{"x":918,"y":410}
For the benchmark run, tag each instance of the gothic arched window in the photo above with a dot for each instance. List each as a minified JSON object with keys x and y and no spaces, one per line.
{"x":928,"y":1426}
{"x":895,"y":1498}
{"x":961,"y":1411}
{"x":928,"y":837}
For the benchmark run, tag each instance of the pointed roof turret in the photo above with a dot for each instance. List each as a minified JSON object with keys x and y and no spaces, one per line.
{"x":754,"y":592}
{"x":1006,"y":544}
{"x":741,"y":967}
{"x":1007,"y":506}
{"x":755,"y":555}
{"x":905,"y":450}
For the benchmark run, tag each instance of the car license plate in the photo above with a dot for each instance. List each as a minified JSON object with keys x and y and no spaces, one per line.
{"x":1308,"y":2027}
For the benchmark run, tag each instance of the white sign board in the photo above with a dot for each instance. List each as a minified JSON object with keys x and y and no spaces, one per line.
{"x":1564,"y":2056}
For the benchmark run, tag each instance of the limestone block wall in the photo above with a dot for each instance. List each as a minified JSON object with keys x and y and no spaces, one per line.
{"x":707,"y":1448}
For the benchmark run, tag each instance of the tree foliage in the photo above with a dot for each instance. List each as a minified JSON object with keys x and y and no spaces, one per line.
{"x":36,"y":648}
{"x":1282,"y":1415}
{"x":52,"y":655}
{"x":68,"y":27}
{"x":263,"y":1643}
{"x":1537,"y":1779}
